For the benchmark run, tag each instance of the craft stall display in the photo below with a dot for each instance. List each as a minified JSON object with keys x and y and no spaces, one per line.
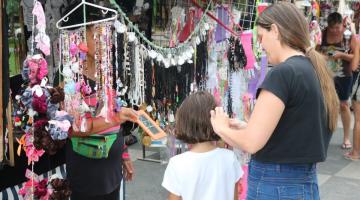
{"x":45,"y":126}
{"x":211,"y":50}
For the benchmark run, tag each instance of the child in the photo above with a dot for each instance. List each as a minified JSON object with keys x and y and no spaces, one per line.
{"x":204,"y":172}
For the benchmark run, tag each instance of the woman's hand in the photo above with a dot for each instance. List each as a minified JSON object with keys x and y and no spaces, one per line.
{"x":126,"y":114}
{"x":219,"y":120}
{"x":128,"y":170}
{"x":338,"y":55}
{"x":237,"y":124}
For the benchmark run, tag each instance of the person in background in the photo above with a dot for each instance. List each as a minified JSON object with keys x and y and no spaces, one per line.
{"x":206,"y":171}
{"x":338,"y":51}
{"x":295,"y":113}
{"x":354,"y":154}
{"x":89,"y":178}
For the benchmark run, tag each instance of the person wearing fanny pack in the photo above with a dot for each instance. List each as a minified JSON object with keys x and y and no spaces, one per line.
{"x":96,"y":158}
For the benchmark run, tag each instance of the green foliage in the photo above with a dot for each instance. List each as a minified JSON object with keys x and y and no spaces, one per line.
{"x":12,"y":7}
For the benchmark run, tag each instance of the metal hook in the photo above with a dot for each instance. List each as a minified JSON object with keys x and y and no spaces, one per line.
{"x":105,"y":12}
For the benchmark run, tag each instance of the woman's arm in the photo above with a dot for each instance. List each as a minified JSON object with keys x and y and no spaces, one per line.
{"x":343,"y":56}
{"x":264,"y":119}
{"x":347,"y":56}
{"x":356,"y":59}
{"x":99,"y":124}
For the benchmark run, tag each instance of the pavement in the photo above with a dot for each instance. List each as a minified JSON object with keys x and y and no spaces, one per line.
{"x":339,"y":179}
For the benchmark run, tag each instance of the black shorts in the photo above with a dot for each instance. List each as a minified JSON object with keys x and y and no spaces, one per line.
{"x":343,"y":86}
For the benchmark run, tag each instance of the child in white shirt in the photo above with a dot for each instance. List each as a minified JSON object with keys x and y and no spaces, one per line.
{"x":205,"y":172}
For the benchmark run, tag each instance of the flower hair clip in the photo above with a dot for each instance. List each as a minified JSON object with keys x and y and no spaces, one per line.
{"x":37,"y":70}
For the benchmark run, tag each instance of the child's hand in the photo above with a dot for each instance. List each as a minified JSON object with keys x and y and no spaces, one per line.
{"x":219,"y":120}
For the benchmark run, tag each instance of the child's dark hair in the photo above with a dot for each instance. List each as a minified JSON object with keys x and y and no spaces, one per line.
{"x":334,"y":18}
{"x":193,"y":119}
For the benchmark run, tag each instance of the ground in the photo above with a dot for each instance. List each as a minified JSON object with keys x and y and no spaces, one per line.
{"x":339,"y":179}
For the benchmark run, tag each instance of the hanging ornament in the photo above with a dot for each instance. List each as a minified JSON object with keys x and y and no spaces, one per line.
{"x":181,"y":60}
{"x":160,"y":57}
{"x":120,"y":28}
{"x":206,"y":26}
{"x":131,"y":36}
{"x":172,"y":61}
{"x":153,"y":54}
{"x":197,"y":40}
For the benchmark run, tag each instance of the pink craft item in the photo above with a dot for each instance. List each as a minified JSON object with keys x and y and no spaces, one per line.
{"x":261,"y":8}
{"x":83,"y":47}
{"x":73,"y":49}
{"x":38,"y":11}
{"x":77,"y":87}
{"x":34,"y":70}
{"x":38,"y":70}
{"x":246,"y":39}
{"x":33,"y":154}
{"x":243,"y":186}
{"x":41,"y":191}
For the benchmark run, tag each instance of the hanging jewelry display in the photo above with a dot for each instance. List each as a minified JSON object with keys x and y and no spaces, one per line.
{"x":181,"y":53}
{"x":136,"y":54}
{"x":45,"y":127}
{"x":104,"y":70}
{"x":236,"y":54}
{"x":201,"y":64}
{"x":148,"y":80}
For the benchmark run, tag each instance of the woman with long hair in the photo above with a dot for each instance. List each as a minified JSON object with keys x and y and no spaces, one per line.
{"x":295,"y":113}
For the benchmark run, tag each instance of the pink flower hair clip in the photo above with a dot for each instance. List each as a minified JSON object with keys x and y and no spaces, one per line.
{"x":38,"y":70}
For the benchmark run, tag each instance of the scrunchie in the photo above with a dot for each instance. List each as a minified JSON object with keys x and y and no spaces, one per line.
{"x":26,"y":98}
{"x":25,"y":72}
{"x":309,"y":50}
{"x":39,"y":103}
{"x":51,"y":110}
{"x":61,"y":189}
{"x":57,"y":95}
{"x":41,"y":66}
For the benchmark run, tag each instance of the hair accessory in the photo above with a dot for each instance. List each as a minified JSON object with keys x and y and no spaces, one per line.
{"x":34,"y":188}
{"x":37,"y":70}
{"x":73,"y":49}
{"x":39,"y":103}
{"x":43,"y":40}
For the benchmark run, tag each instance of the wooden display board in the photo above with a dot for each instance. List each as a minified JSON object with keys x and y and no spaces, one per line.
{"x":10,"y":133}
{"x":150,"y":127}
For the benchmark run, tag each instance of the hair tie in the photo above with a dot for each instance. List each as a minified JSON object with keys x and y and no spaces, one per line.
{"x":308,"y":50}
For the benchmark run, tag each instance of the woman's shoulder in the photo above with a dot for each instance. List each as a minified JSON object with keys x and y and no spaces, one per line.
{"x":294,"y":64}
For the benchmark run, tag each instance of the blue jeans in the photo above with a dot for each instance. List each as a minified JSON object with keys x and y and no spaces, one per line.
{"x":269,"y":181}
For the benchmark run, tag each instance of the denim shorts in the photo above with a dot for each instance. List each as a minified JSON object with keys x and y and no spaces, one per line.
{"x":268,"y":181}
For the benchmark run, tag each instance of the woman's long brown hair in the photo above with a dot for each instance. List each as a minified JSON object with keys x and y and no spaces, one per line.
{"x":294,"y":32}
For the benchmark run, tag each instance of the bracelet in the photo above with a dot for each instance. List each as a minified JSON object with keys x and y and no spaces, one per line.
{"x":126,"y":156}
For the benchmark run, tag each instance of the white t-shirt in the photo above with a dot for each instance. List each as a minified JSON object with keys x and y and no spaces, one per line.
{"x":196,"y":176}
